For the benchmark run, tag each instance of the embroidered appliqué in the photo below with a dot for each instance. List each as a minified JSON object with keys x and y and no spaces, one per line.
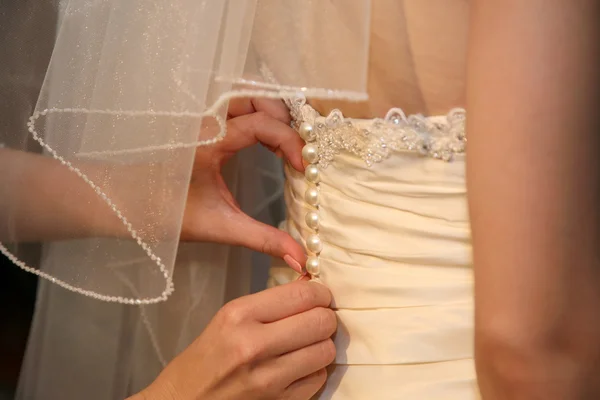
{"x":375,"y":140}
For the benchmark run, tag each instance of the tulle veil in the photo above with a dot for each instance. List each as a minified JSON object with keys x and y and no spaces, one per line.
{"x":120,"y":93}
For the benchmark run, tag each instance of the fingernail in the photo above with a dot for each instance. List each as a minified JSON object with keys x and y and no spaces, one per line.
{"x":293,"y":264}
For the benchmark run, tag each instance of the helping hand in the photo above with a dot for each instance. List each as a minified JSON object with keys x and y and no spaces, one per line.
{"x":211,"y":212}
{"x":271,"y":345}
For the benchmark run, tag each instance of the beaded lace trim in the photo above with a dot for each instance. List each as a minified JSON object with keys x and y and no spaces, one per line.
{"x":440,"y":138}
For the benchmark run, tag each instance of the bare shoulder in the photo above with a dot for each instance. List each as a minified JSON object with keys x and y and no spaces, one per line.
{"x":417,"y":58}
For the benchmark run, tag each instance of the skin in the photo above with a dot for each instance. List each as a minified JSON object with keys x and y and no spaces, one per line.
{"x":211,"y":213}
{"x":419,"y":49}
{"x":271,"y":345}
{"x":527,"y":73}
{"x":533,"y":178}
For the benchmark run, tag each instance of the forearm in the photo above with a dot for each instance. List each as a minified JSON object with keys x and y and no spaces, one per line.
{"x":533,"y":177}
{"x":138,"y":396}
{"x":160,"y":389}
{"x":44,"y":200}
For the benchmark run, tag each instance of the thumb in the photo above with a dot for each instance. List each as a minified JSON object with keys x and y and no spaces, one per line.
{"x":245,"y":231}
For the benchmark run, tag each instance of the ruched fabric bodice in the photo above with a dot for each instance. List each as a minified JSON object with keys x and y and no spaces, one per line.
{"x":394,"y":250}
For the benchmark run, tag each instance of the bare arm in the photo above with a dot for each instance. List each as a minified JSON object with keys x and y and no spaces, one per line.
{"x":42,"y":200}
{"x":46,"y":201}
{"x":533,"y":174}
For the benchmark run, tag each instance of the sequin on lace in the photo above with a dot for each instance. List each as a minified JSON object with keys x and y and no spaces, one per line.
{"x":440,"y":138}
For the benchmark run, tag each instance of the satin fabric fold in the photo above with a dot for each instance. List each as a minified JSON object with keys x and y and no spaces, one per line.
{"x":397,"y":258}
{"x":452,"y":380}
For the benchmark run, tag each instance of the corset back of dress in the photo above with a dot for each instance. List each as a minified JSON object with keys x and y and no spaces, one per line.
{"x":382,"y":213}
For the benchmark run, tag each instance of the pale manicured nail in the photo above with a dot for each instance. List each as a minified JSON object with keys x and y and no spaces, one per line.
{"x":293,"y":264}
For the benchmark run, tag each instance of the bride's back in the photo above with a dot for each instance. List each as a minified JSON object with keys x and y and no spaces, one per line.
{"x":417,"y":58}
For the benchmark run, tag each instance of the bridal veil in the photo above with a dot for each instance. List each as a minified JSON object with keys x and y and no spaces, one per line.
{"x":131,"y":89}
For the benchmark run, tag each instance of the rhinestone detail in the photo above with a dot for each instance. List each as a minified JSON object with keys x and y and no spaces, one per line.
{"x":440,"y":138}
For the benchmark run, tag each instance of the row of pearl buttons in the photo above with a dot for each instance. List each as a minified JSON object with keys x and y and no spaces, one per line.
{"x":311,"y":173}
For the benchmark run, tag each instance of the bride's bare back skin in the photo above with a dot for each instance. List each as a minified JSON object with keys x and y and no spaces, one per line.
{"x":417,"y":59}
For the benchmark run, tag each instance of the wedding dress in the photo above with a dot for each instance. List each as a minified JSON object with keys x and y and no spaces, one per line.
{"x":132,"y":82}
{"x":381,"y":210}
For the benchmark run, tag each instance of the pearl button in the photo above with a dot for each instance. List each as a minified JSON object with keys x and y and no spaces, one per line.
{"x":312,"y":196}
{"x":313,"y":244}
{"x":309,"y":153}
{"x":312,"y":266}
{"x":311,"y":173}
{"x":312,"y":220}
{"x":306,"y":132}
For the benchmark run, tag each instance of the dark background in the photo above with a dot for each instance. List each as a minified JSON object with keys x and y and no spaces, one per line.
{"x":27,"y":34}
{"x":17,"y":300}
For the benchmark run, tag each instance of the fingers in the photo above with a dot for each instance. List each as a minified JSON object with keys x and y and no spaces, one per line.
{"x":298,"y":364}
{"x":298,"y":331}
{"x":272,"y":107}
{"x":275,"y":108}
{"x":250,"y":129}
{"x":284,"y":301}
{"x":240,"y":106}
{"x":242,"y":230}
{"x":306,"y":388}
